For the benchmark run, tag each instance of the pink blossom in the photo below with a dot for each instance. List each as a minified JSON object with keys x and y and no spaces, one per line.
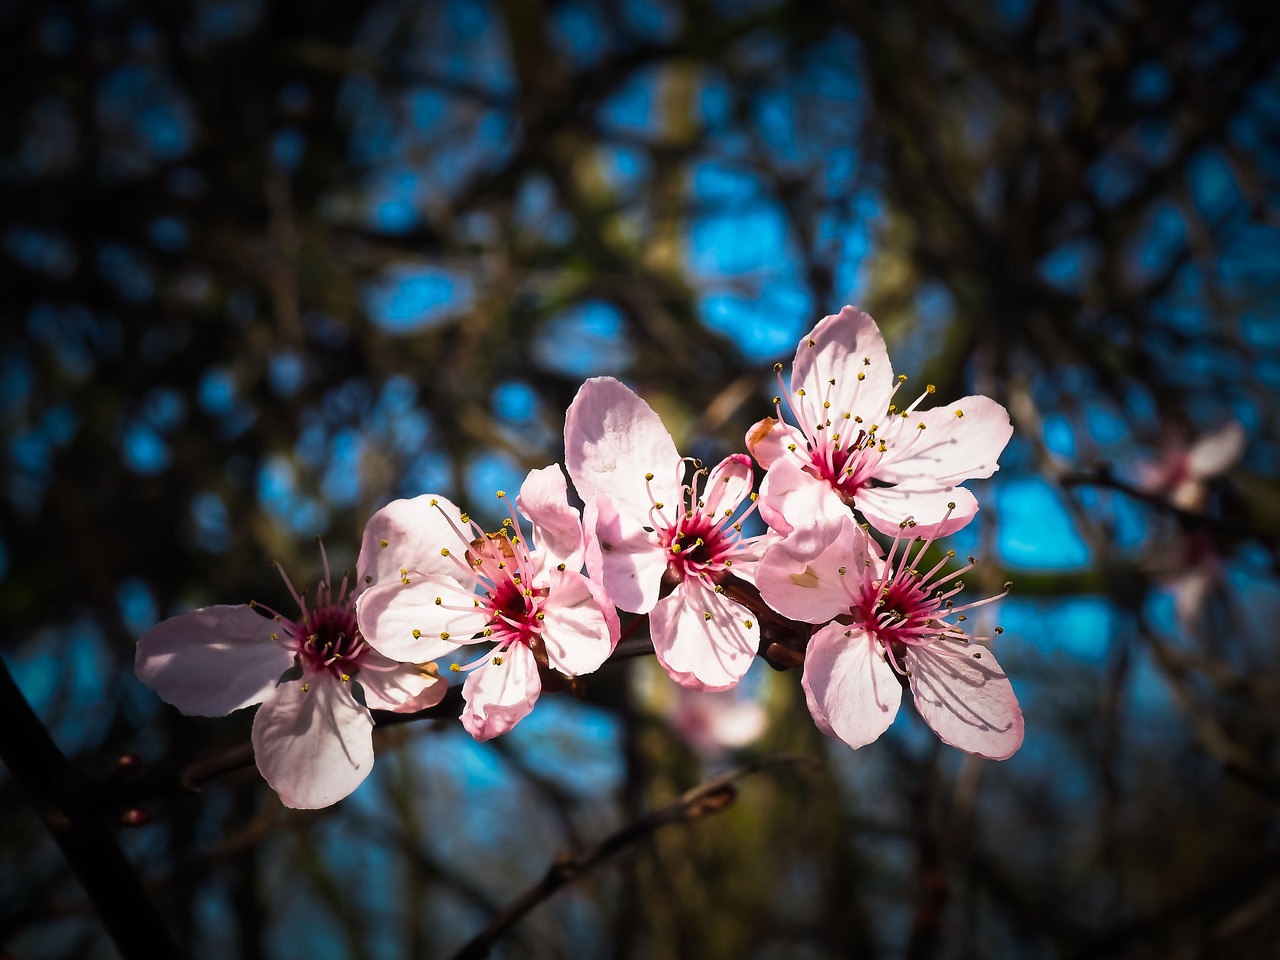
{"x":1182,"y":473}
{"x":851,"y":447}
{"x":315,"y":677}
{"x":650,"y":528}
{"x":887,"y":620}
{"x":713,"y":723}
{"x":468,"y":586}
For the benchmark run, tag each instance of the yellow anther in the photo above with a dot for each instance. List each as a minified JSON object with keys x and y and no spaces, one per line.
{"x":826,"y":404}
{"x":648,"y":476}
{"x":502,"y":494}
{"x":675,"y":548}
{"x":776,"y":401}
{"x":405,"y":580}
{"x":706,"y":616}
{"x":754,"y":496}
{"x":832,"y":381}
{"x":560,"y":567}
{"x":439,"y":601}
{"x":951,"y":505}
{"x":719,"y":589}
{"x":345,"y":677}
{"x":920,"y":425}
{"x":464,"y":518}
{"x":434,"y":501}
{"x":444,"y":635}
{"x":791,"y":447}
{"x":383,"y":542}
{"x":902,"y":378}
{"x":728,"y":512}
{"x":728,"y":563}
{"x":930,"y":388}
{"x":417,"y":634}
{"x":497,"y":661}
{"x":455,"y":668}
{"x":659,"y":504}
{"x":866,"y":361}
{"x":959,"y":413}
{"x":275,"y":636}
{"x":800,"y":392}
{"x":444,"y":551}
{"x":540,"y":615}
{"x":812,"y":342}
{"x":841,"y":571}
{"x":306,"y":688}
{"x":748,"y":624}
{"x":777,"y":368}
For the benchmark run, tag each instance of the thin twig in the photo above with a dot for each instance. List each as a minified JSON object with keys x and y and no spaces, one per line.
{"x":711,"y":796}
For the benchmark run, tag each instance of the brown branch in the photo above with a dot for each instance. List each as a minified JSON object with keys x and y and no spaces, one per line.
{"x":64,"y":800}
{"x":711,"y":796}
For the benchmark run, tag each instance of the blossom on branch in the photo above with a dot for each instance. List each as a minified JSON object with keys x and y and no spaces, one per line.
{"x":315,"y":676}
{"x":851,"y":447}
{"x":467,"y":586}
{"x":887,"y":621}
{"x":651,"y":528}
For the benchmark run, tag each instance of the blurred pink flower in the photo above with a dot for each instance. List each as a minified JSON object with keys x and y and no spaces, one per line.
{"x":468,"y":586}
{"x":315,"y":677}
{"x":851,"y":448}
{"x":885,"y":620}
{"x":650,"y":526}
{"x":713,"y":723}
{"x":1182,"y":472}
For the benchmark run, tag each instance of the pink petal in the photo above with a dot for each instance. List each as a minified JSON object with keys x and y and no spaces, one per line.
{"x":796,"y":503}
{"x":702,"y":653}
{"x":851,"y":690}
{"x":950,"y":449}
{"x":631,"y":559}
{"x":1215,"y":453}
{"x":836,"y":349}
{"x":414,"y":532}
{"x":886,"y":507}
{"x":313,"y":747}
{"x":576,"y":629}
{"x":962,"y":694}
{"x":212,"y":661}
{"x":729,"y":483}
{"x":557,"y":529}
{"x":769,"y":439}
{"x":389,"y":617}
{"x":500,"y":695}
{"x":402,"y":687}
{"x":811,"y":589}
{"x":612,"y":439}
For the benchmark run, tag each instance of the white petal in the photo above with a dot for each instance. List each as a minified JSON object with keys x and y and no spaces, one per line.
{"x":557,"y":529}
{"x":612,"y":439}
{"x":699,"y":652}
{"x":576,"y":629}
{"x":812,"y":589}
{"x":402,"y":687}
{"x":313,"y":747}
{"x":966,"y":698}
{"x":405,"y":623}
{"x":851,"y":691}
{"x":212,"y":661}
{"x":500,"y":695}
{"x":410,"y":535}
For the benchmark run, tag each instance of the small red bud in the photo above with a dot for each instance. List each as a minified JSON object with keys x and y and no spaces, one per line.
{"x":135,"y":817}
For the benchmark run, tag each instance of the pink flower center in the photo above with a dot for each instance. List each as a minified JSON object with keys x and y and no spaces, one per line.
{"x":903,"y":606}
{"x":699,"y":543}
{"x":326,"y":637}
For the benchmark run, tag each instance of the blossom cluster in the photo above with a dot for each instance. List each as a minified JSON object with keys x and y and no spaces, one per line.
{"x":720,"y":573}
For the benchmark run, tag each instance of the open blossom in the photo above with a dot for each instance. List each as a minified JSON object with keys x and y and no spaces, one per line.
{"x":888,"y":619}
{"x":650,"y":526}
{"x":851,"y":447}
{"x":314,"y":675}
{"x":468,"y":586}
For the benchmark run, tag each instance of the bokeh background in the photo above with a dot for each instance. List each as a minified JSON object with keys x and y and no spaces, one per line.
{"x":264,"y":267}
